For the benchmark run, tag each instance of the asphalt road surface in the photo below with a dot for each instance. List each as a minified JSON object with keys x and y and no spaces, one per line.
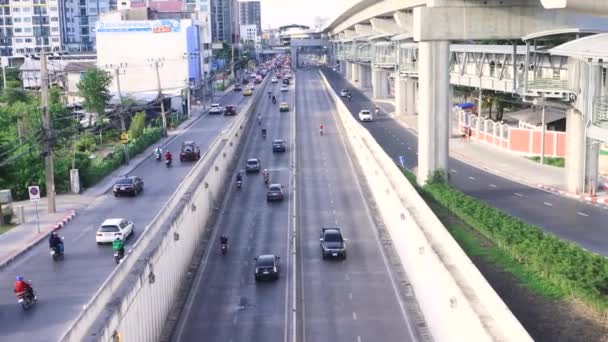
{"x":350,"y":300}
{"x":227,"y":304}
{"x":569,"y":219}
{"x":64,"y":287}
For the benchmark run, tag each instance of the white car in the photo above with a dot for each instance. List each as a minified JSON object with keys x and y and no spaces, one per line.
{"x":284,"y":87}
{"x":111,"y":228}
{"x":274,"y":80}
{"x":215,"y":108}
{"x":344,"y":92}
{"x":288,"y":75}
{"x":366,"y":115}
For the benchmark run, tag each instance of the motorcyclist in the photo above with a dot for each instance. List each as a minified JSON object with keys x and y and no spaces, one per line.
{"x":266,"y":175}
{"x":269,"y":93}
{"x":377,"y":110}
{"x":321,"y":129}
{"x":118,"y":246}
{"x":21,"y":286}
{"x":158,"y":152}
{"x":239,"y":178}
{"x":264,"y":132}
{"x":259,"y":119}
{"x":55,"y":242}
{"x":223,"y":240}
{"x":168,"y":156}
{"x":274,"y":99}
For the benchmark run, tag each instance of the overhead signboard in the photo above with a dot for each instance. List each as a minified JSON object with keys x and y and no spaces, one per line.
{"x":138,"y":26}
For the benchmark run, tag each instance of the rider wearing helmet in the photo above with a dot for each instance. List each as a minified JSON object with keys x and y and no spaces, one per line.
{"x":168,"y":155}
{"x":21,"y":286}
{"x":223,"y":240}
{"x":118,"y":246}
{"x":55,"y":242}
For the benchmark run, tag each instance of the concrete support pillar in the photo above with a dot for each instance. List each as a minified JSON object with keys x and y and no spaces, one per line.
{"x":575,"y":151}
{"x":410,"y":96}
{"x":348,"y":74}
{"x":365,"y":76}
{"x":400,"y":95}
{"x":379,"y":83}
{"x":74,"y":181}
{"x":433,"y":64}
{"x":354,"y":72}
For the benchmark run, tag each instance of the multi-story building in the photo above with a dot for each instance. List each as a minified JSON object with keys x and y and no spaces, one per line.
{"x":224,"y":20}
{"x":249,"y":33}
{"x":78,"y":18}
{"x":250,"y":13}
{"x":27,"y":27}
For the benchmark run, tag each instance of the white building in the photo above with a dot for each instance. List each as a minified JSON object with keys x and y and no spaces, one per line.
{"x":249,"y":33}
{"x":138,"y":48}
{"x":33,"y":25}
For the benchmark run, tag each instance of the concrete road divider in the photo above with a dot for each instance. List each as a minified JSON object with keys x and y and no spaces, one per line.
{"x":457,"y":302}
{"x":134,"y":301}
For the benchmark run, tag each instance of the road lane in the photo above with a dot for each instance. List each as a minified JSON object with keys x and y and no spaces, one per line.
{"x":227,"y":304}
{"x":561,"y":219}
{"x":354,"y":299}
{"x":64,"y":287}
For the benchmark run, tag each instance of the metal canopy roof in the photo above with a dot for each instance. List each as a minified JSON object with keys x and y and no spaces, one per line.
{"x":404,"y":36}
{"x":594,"y":47}
{"x":556,"y":32}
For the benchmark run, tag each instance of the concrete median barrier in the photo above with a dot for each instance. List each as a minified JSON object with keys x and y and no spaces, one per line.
{"x":134,"y":301}
{"x":457,"y":302}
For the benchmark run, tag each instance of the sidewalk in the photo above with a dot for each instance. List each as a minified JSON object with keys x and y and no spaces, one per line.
{"x":25,"y":236}
{"x":496,"y":161}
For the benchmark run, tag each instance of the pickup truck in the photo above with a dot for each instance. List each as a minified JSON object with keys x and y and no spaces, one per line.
{"x":332,"y":243}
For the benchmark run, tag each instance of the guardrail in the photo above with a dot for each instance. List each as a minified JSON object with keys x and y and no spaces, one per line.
{"x":457,"y":302}
{"x":135,"y":299}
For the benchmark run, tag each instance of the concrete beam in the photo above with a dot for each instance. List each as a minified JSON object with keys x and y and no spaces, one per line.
{"x":405,"y":21}
{"x":597,"y":7}
{"x":385,"y":26}
{"x":349,"y":34}
{"x":364,"y":10}
{"x":365,"y":30}
{"x":499,"y":22}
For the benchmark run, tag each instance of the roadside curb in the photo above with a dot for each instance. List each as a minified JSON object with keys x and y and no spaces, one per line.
{"x":38,"y":238}
{"x":591,"y":199}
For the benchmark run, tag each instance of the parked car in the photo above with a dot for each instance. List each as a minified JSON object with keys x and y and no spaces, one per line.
{"x":130,"y":185}
{"x":112,"y":228}
{"x":332,"y":243}
{"x":274,"y":193}
{"x":252,"y":165}
{"x":365,"y":115}
{"x":230,"y":110}
{"x":215,"y":108}
{"x":278,"y":145}
{"x":189,"y":152}
{"x":266,"y":267}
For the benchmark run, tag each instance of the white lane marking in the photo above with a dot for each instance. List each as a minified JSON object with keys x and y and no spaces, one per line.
{"x":518,"y":194}
{"x":582,"y":214}
{"x":492,"y":186}
{"x":358,"y":338}
{"x":548,"y":204}
{"x":471,"y":178}
{"x":409,"y":148}
{"x":346,"y":276}
{"x":350,"y":296}
{"x":453,"y":171}
{"x":354,"y":316}
{"x":235,"y":319}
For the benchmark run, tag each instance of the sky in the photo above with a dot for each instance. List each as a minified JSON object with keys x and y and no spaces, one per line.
{"x":276,"y":13}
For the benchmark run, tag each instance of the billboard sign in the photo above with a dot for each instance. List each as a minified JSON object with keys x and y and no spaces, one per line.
{"x":138,"y":26}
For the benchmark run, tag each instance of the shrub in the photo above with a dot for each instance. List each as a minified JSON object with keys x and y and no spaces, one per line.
{"x":137,"y":125}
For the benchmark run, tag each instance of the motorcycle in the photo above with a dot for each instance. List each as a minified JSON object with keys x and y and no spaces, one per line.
{"x":239,"y":183}
{"x":168,"y":163}
{"x":57,"y":252}
{"x":274,"y":100}
{"x":264,"y":134}
{"x":158,"y":157}
{"x":26,"y":299}
{"x":224,"y":248}
{"x":118,"y":255}
{"x":266,"y":178}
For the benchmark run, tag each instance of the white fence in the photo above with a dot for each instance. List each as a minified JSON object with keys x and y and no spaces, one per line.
{"x":134,"y":301}
{"x":457,"y":302}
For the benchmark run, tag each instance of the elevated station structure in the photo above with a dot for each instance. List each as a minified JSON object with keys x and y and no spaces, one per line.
{"x":418,"y":47}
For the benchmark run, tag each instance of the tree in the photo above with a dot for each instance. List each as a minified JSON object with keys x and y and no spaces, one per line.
{"x":137,"y":125}
{"x":93,"y":88}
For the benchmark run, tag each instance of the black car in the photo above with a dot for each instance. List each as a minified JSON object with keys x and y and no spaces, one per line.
{"x":230,"y":110}
{"x":190,"y":151}
{"x":274,"y":193}
{"x":286,"y":81}
{"x":237,"y":87}
{"x":278,"y":145}
{"x":332,"y":243}
{"x":266,"y":267}
{"x":131,"y":185}
{"x":252,"y":165}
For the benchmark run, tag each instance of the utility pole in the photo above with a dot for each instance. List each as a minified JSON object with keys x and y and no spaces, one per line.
{"x":121,"y":113}
{"x":188,"y":98}
{"x":48,"y":134}
{"x":542,"y":137}
{"x":162,"y":98}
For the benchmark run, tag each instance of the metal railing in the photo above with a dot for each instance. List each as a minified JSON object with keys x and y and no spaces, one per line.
{"x":384,"y":56}
{"x":599,"y":112}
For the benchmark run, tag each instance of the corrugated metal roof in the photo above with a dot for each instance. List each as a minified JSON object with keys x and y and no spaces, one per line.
{"x":595,"y":47}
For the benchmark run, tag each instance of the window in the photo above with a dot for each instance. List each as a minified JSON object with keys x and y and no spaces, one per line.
{"x":55,"y":40}
{"x":28,"y":40}
{"x":18,"y":40}
{"x":27,"y":19}
{"x":27,"y":9}
{"x":27,"y":29}
{"x":54,"y":29}
{"x":53,"y":9}
{"x":16,"y":9}
{"x":16,"y":20}
{"x":17,"y":30}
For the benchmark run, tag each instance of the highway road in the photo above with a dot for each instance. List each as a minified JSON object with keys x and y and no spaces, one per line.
{"x":569,"y":219}
{"x":351,"y":300}
{"x":226,"y":304}
{"x":64,"y":287}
